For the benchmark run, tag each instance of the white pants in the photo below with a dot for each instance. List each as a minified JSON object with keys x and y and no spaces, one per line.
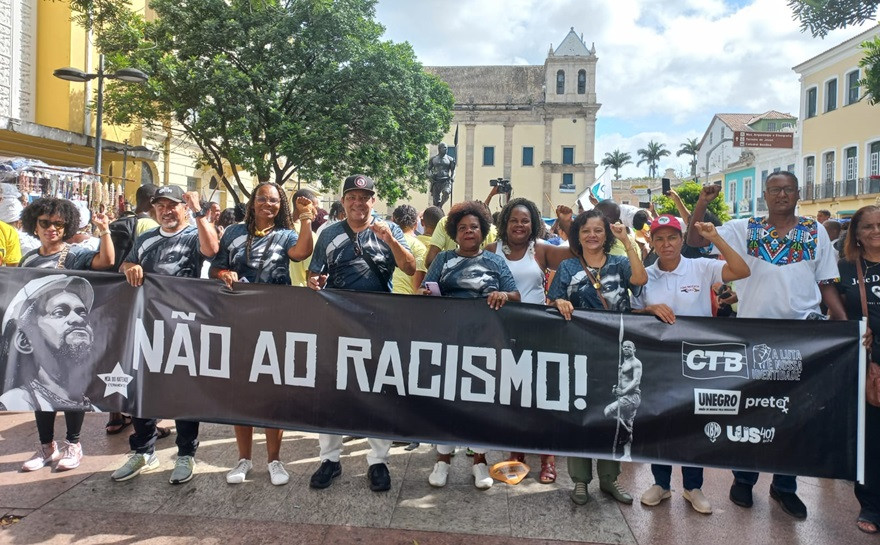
{"x":448,"y":449}
{"x":331,"y":448}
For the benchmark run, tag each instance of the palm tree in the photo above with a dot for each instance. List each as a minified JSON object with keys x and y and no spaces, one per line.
{"x":616,"y":160}
{"x":653,"y":153}
{"x":690,"y":147}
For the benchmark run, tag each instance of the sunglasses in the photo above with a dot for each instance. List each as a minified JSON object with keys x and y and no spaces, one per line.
{"x":44,"y":224}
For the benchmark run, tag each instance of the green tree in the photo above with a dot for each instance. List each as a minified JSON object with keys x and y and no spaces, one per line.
{"x":616,"y":160}
{"x":277,"y":88}
{"x":651,"y":155}
{"x":689,"y":193}
{"x":821,"y":16}
{"x":690,"y":147}
{"x":871,"y":63}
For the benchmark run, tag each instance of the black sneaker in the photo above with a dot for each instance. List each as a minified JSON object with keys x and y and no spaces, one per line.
{"x":380,"y":479}
{"x":326,"y":473}
{"x":741,"y":494}
{"x":790,"y":503}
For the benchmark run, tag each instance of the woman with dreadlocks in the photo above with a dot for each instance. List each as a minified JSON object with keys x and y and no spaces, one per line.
{"x":260,"y":250}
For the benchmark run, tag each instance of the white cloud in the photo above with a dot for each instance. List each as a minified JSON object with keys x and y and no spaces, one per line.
{"x":664,"y":68}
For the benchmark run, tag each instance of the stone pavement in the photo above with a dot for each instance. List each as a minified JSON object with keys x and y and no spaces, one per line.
{"x":85,"y":506}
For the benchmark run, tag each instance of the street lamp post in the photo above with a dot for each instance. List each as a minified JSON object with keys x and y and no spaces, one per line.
{"x":131,"y":75}
{"x":125,"y":148}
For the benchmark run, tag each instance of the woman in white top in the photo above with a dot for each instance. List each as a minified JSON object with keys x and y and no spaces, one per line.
{"x":682,"y":286}
{"x":528,"y":257}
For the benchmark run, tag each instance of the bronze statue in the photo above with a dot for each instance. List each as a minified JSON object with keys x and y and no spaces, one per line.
{"x":441,"y":170}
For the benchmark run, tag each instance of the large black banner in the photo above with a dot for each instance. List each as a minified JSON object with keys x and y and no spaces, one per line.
{"x":770,"y":395}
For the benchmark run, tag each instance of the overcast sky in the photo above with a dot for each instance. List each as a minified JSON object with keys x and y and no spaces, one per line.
{"x":665,"y":68}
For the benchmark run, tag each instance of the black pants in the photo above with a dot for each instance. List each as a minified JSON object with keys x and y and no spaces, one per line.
{"x":46,"y":425}
{"x":868,"y":494}
{"x":143,"y":440}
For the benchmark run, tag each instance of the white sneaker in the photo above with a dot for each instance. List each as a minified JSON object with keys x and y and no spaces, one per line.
{"x":698,"y":501}
{"x":654,"y":495}
{"x":237,"y":474}
{"x":72,"y":454}
{"x":45,"y":455}
{"x":277,"y":474}
{"x":482,"y":479}
{"x":439,"y":475}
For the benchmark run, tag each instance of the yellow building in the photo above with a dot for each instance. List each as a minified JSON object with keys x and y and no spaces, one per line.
{"x":532,"y":125}
{"x":50,"y":119}
{"x":840,"y":132}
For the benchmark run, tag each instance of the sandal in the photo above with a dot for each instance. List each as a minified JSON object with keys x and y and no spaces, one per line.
{"x":867,"y":526}
{"x":548,"y":471}
{"x":162,"y":433}
{"x":116,"y":425}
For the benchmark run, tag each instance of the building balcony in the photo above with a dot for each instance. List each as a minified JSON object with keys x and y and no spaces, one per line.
{"x":829,"y":189}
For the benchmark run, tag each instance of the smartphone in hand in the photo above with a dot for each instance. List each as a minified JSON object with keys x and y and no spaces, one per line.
{"x":667,"y":185}
{"x":433,"y":287}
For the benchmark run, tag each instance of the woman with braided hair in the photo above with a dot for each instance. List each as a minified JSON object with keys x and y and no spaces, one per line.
{"x":260,"y":250}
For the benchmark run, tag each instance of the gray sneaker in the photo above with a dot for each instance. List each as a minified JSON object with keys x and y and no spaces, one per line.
{"x":183,"y":470}
{"x":135,"y":465}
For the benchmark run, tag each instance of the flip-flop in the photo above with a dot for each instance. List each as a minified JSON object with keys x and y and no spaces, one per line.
{"x":866,"y":521}
{"x":123,"y":423}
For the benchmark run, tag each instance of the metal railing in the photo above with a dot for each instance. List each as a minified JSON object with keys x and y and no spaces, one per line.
{"x":841,"y":188}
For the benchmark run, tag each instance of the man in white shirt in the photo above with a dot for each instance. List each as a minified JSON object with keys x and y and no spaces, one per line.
{"x":793,"y":268}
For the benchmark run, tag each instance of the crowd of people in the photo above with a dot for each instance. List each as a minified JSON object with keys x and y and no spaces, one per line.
{"x":607,"y":258}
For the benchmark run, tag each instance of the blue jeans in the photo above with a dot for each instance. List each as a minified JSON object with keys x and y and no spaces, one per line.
{"x":692,"y":477}
{"x":782,"y":483}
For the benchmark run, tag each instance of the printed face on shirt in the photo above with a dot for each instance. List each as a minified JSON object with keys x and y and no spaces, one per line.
{"x":474,"y":276}
{"x":170,"y":215}
{"x":612,"y":289}
{"x":628,"y":348}
{"x":174,"y":261}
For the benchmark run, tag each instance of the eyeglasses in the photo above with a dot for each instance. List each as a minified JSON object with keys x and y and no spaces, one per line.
{"x":44,"y":224}
{"x":787,"y":190}
{"x":271,"y":200}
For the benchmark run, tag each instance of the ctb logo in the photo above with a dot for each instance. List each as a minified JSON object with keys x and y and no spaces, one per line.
{"x":707,"y":361}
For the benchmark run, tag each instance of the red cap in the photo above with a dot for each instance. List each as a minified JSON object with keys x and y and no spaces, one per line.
{"x":666,"y":220}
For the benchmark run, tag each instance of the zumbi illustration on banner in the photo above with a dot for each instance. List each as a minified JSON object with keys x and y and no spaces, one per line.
{"x":728,"y":393}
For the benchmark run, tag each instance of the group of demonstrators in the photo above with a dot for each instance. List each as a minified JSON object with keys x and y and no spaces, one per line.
{"x":781,"y":265}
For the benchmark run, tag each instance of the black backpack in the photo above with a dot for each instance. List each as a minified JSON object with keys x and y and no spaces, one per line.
{"x":122,"y":232}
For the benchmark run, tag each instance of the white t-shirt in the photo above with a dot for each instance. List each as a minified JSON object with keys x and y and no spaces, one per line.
{"x":686,"y":290}
{"x":785,"y":291}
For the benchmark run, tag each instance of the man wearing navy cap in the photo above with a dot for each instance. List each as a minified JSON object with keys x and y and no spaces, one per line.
{"x":358,"y":253}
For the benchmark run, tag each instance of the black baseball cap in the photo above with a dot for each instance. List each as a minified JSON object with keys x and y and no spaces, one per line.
{"x":358,"y":181}
{"x":170,"y":192}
